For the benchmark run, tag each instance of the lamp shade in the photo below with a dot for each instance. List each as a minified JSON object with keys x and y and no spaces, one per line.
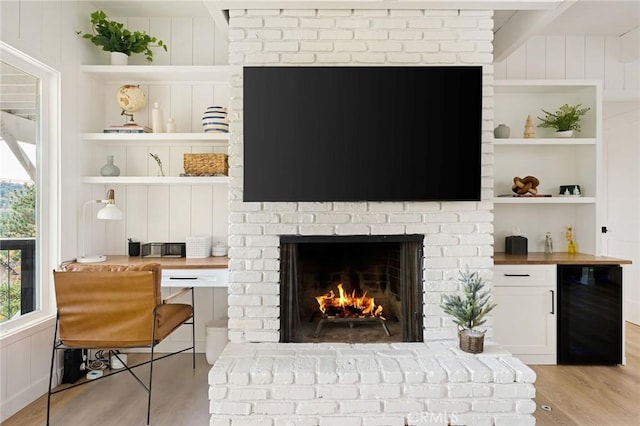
{"x":110,"y":212}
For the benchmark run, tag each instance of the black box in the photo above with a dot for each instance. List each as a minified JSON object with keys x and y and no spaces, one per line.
{"x":515,"y":245}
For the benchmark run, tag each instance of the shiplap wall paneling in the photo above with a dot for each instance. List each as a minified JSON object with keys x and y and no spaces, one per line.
{"x":613,"y":68}
{"x":575,"y":61}
{"x":158,"y":220}
{"x":536,"y":59}
{"x":517,"y":64}
{"x":594,"y":58}
{"x":179,"y":106}
{"x":555,"y":58}
{"x":201,"y":209}
{"x":179,"y":207}
{"x":137,"y":213}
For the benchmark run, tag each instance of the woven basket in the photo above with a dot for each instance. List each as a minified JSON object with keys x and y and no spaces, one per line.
{"x":206,"y":164}
{"x":471,"y":344}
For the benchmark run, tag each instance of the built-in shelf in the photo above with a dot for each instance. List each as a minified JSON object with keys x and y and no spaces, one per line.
{"x":157,"y":73}
{"x":208,"y":139}
{"x":544,"y":200}
{"x":157,"y":180}
{"x":544,"y":141}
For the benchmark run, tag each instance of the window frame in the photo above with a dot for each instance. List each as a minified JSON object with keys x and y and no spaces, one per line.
{"x":47,"y":187}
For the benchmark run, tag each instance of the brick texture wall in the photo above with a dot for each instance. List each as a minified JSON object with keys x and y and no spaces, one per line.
{"x":457,"y":234}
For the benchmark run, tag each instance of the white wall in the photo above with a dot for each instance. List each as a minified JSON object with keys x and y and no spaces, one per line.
{"x":598,"y":57}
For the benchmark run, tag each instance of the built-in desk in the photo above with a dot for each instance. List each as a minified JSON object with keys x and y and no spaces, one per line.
{"x":537,"y":258}
{"x":183,"y":272}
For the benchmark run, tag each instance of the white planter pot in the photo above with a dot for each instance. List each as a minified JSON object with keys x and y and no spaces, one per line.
{"x":565,"y":134}
{"x":119,"y":58}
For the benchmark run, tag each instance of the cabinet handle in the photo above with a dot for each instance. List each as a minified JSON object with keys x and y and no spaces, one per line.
{"x":517,"y":275}
{"x":553,"y":302}
{"x":183,"y":278}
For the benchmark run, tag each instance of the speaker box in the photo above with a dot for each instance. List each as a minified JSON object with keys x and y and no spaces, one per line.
{"x":72,"y":371}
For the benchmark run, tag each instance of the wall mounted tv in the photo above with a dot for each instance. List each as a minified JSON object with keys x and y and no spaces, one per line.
{"x":363,"y":133}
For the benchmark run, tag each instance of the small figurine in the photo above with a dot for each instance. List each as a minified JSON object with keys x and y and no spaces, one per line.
{"x":576,"y":190}
{"x":548,"y":243}
{"x":529,"y":132}
{"x":566,"y":191}
{"x":571,"y":245}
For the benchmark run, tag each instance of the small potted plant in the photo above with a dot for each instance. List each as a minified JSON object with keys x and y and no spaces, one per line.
{"x":469,"y":310}
{"x":112,"y":37}
{"x":565,"y":120}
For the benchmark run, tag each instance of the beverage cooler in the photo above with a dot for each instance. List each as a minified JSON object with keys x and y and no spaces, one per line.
{"x":590,"y":314}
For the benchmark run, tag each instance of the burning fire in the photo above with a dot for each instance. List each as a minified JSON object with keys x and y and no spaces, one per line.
{"x":348,"y":305}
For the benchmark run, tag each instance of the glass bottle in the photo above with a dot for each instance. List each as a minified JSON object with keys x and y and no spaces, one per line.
{"x":110,"y":169}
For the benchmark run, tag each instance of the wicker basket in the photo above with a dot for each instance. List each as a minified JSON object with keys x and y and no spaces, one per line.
{"x":471,"y":344}
{"x":206,"y":164}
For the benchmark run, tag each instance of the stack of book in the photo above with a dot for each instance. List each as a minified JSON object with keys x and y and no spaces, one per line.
{"x":127,"y":129}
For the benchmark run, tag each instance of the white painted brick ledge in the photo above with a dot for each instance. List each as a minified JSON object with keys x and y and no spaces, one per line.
{"x":369,"y":384}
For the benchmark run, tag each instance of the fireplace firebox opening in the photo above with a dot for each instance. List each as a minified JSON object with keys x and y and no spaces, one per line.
{"x":354,"y":289}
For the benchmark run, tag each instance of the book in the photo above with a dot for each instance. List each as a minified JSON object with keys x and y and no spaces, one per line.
{"x":127,"y":129}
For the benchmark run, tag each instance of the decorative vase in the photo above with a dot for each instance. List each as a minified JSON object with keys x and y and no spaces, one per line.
{"x":119,"y":58}
{"x":564,"y":134}
{"x":215,"y":120}
{"x":110,"y":169}
{"x":502,"y":131}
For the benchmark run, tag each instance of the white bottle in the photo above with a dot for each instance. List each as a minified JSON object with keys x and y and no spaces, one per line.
{"x":157,"y":123}
{"x":171,"y":125}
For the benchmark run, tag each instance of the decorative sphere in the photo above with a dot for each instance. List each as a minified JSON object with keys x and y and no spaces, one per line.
{"x":131,"y":98}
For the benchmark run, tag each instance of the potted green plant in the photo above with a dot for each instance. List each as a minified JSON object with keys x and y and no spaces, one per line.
{"x":565,"y":120}
{"x":112,"y":37}
{"x":469,"y":310}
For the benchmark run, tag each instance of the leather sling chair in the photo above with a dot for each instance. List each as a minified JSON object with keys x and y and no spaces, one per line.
{"x":116,"y":307}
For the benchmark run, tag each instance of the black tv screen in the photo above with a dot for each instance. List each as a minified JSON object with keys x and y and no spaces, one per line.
{"x":362,"y":133}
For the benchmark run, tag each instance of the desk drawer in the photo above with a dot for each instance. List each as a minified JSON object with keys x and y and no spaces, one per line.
{"x":195,"y":278}
{"x":524,"y":275}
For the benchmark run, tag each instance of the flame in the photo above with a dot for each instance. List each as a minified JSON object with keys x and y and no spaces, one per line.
{"x":348,"y":305}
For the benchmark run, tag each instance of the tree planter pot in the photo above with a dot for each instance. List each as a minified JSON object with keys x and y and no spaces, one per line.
{"x":471,"y":341}
{"x":564,"y":134}
{"x":119,"y":58}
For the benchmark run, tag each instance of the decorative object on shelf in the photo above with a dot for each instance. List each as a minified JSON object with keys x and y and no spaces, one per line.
{"x":164,"y":250}
{"x":109,"y":169}
{"x":468,"y":311}
{"x":111,"y":36}
{"x":131,"y":99}
{"x":198,"y":246}
{"x":118,"y":58}
{"x":171,"y":125}
{"x":157,"y":121}
{"x":548,"y":243}
{"x":565,"y":120}
{"x":215,"y":119}
{"x":206,"y":164}
{"x":516,"y":243}
{"x":108,"y":212}
{"x":502,"y":131}
{"x":529,"y":131}
{"x":158,"y":162}
{"x":127,"y":129}
{"x":219,"y":249}
{"x":525,"y":186}
{"x":572,"y":248}
{"x":570,"y":190}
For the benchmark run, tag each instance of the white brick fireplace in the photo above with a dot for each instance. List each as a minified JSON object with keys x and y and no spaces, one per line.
{"x":259,"y":381}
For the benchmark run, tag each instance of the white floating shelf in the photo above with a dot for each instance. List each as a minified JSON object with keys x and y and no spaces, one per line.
{"x":158,"y":73}
{"x":544,"y":200}
{"x":153,"y":180}
{"x":544,"y":141}
{"x":215,"y":139}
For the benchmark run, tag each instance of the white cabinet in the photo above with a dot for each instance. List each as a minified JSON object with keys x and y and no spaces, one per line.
{"x":554,"y":161}
{"x":525,"y":316}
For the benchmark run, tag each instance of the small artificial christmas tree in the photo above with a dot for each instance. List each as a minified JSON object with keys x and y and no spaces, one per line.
{"x":529,"y":132}
{"x":469,"y":310}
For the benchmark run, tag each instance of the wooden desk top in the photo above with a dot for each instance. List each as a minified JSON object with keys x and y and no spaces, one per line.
{"x":539,"y":258}
{"x":218,"y":262}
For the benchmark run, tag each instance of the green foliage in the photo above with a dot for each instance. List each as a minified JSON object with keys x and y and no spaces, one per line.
{"x":113,"y":37}
{"x":469,"y":310}
{"x":567,"y":117}
{"x":10,"y":285}
{"x":20,"y":220}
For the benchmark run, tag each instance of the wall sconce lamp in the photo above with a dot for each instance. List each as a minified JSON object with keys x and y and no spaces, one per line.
{"x":108,"y":212}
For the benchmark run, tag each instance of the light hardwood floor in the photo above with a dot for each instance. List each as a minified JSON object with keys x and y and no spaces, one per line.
{"x":578,"y":395}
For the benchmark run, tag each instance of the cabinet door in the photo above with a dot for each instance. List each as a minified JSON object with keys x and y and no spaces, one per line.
{"x":525,"y":322}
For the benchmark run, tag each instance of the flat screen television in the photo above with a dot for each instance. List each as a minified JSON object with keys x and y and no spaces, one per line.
{"x":362,"y":133}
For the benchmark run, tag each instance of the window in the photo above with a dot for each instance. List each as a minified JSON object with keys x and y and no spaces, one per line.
{"x":28,"y":186}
